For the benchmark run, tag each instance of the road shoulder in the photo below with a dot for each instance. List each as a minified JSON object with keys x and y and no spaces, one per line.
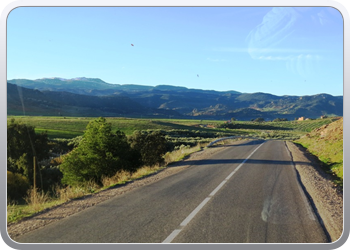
{"x":324,"y":196}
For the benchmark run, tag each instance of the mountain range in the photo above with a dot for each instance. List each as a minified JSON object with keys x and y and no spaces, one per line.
{"x":94,"y":97}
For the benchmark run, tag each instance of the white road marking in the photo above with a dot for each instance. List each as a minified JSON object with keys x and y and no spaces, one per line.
{"x":217,"y":188}
{"x":194,"y":212}
{"x":307,"y":204}
{"x":172,"y":236}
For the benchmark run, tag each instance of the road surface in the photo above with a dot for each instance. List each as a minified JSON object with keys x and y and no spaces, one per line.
{"x":245,"y":193}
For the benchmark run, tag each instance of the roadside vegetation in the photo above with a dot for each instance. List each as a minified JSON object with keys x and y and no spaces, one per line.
{"x":326,"y":142}
{"x":52,"y":160}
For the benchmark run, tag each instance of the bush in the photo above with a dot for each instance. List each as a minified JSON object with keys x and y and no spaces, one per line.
{"x":50,"y":176}
{"x":17,"y":186}
{"x":280,"y":120}
{"x":151,"y":146}
{"x":22,"y":145}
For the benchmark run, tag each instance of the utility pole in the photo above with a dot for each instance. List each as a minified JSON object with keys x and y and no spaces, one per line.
{"x":34,"y":165}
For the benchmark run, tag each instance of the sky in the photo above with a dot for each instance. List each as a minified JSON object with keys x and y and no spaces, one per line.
{"x":277,"y":50}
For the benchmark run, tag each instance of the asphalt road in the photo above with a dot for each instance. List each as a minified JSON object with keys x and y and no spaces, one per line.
{"x":244,"y":193}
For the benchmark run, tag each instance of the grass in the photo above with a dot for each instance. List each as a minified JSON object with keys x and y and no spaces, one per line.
{"x":16,"y":212}
{"x":70,"y":127}
{"x":181,"y":153}
{"x":327,"y":144}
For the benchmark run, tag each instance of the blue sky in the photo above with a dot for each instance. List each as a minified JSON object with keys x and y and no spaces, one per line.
{"x":283,"y":51}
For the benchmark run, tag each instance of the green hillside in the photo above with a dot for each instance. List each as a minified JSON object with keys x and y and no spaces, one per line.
{"x":326,"y":143}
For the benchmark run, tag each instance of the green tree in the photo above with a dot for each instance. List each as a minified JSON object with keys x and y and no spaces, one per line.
{"x":151,"y":145}
{"x":100,"y":153}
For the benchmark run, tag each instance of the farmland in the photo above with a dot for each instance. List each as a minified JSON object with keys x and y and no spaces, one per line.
{"x":70,"y":127}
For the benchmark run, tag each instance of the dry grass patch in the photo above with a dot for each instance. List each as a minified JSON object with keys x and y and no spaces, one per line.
{"x":182,"y":152}
{"x":36,"y":200}
{"x":120,"y":177}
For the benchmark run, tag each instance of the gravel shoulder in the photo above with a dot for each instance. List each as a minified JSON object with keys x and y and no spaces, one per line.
{"x":323,"y":195}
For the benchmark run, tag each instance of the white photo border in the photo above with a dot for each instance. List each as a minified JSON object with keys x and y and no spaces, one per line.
{"x":170,"y":3}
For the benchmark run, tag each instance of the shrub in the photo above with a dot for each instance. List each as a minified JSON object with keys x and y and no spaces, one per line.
{"x":22,"y":145}
{"x":151,"y":146}
{"x":17,"y":186}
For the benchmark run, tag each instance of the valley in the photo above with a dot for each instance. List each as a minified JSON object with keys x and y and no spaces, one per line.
{"x":94,"y":97}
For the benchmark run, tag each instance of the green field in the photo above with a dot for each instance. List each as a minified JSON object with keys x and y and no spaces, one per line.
{"x":70,"y":127}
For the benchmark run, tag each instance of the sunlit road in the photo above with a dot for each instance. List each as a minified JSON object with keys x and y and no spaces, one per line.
{"x":244,"y":193}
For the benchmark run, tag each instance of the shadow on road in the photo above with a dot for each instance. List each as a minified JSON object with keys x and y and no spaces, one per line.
{"x":237,"y":161}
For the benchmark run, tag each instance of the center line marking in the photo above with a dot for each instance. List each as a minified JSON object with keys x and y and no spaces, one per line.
{"x":173,"y":235}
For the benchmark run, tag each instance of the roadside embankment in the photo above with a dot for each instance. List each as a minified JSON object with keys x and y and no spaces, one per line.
{"x":325,"y":197}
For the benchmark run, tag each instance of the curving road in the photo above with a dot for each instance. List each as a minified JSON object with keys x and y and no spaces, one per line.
{"x":246,"y":192}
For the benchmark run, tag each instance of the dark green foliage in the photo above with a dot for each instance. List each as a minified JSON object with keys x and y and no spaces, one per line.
{"x":151,"y":145}
{"x":50,"y":177}
{"x":99,"y":153}
{"x":280,"y":120}
{"x":227,"y":125}
{"x":259,"y":119}
{"x":62,"y":146}
{"x":22,"y":145}
{"x":17,"y":185}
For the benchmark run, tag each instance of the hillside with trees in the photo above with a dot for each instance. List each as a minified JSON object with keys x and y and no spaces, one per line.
{"x":94,"y":97}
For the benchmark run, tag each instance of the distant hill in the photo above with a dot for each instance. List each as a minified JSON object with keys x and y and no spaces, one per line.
{"x":34,"y":102}
{"x":95,"y":86}
{"x":94,"y":96}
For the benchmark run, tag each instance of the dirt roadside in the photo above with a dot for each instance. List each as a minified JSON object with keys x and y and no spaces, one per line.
{"x":325,"y":198}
